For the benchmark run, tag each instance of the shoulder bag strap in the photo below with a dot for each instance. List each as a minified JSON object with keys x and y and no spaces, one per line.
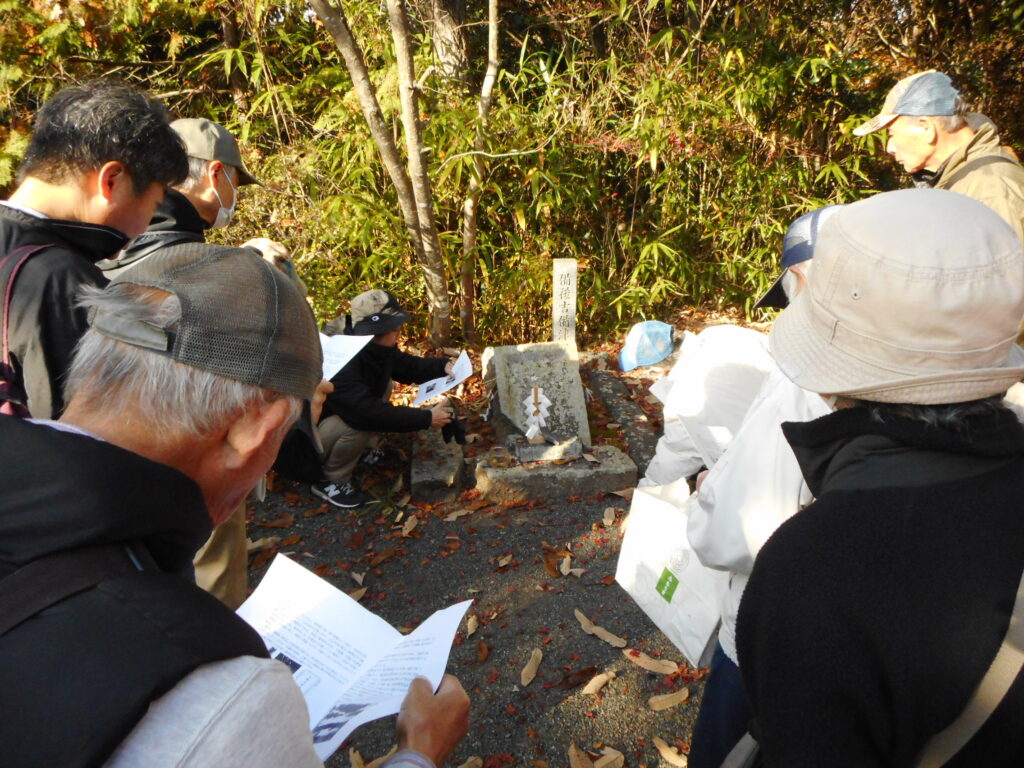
{"x":19,"y":256}
{"x":992,"y":689}
{"x":45,"y":582}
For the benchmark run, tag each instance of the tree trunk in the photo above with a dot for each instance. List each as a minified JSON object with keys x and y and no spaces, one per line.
{"x":232,"y":39}
{"x":472,"y":203}
{"x":337,"y":25}
{"x":449,"y":40}
{"x":433,"y":263}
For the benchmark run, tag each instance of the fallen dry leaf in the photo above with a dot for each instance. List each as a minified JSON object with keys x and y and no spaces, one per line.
{"x":357,"y":594}
{"x":381,"y":557}
{"x":403,"y":500}
{"x":565,"y":565}
{"x":355,"y":759}
{"x":669,"y":700}
{"x":610,"y":758}
{"x":578,"y":758}
{"x":409,"y":525}
{"x":482,"y":651}
{"x":397,"y":485}
{"x":671,"y":756}
{"x":530,"y":670}
{"x":551,"y":565}
{"x":626,"y":493}
{"x":641,"y":659}
{"x":321,"y":510}
{"x":377,"y":763}
{"x":598,"y":682}
{"x":471,"y":624}
{"x":473,"y":762}
{"x":577,"y":678}
{"x":261,"y":544}
{"x":452,"y":517}
{"x":261,"y":559}
{"x":358,"y":577}
{"x":591,"y":458}
{"x":609,"y":517}
{"x":577,"y":572}
{"x":502,"y":562}
{"x":593,"y":629}
{"x":284,"y":520}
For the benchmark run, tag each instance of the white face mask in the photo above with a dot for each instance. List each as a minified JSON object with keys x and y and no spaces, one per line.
{"x":224,"y":214}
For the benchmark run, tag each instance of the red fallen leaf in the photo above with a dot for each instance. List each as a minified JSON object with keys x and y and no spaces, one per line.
{"x":492,"y":677}
{"x":321,"y":510}
{"x":284,"y":520}
{"x":323,"y":570}
{"x":356,"y":540}
{"x":511,"y":709}
{"x":577,"y":678}
{"x":261,"y":558}
{"x":530,"y":733}
{"x":608,"y":580}
{"x":293,"y":539}
{"x":482,"y":651}
{"x":291,"y":498}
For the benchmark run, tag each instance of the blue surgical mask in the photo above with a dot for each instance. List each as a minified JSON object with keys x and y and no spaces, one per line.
{"x":224,"y":214}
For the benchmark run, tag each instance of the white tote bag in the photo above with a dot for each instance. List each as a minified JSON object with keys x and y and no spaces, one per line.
{"x":661,"y":572}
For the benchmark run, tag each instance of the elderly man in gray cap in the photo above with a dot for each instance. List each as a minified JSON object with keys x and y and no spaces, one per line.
{"x":882,"y":625}
{"x":179,"y":395}
{"x":941,"y":145}
{"x":205,"y":200}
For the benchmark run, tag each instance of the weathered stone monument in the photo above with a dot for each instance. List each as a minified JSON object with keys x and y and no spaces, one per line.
{"x":538,"y":395}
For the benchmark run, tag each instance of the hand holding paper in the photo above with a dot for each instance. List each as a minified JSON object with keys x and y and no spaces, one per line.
{"x":461,"y":371}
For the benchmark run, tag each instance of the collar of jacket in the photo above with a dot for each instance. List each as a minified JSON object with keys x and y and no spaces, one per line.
{"x":60,"y":490}
{"x":986,"y":139}
{"x":176,"y":213}
{"x":828,"y":446}
{"x":94,"y":242}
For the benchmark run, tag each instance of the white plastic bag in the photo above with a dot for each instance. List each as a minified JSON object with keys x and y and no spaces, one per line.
{"x":661,"y":572}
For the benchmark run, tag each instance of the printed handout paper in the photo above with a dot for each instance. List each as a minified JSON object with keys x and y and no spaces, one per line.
{"x":338,"y":350}
{"x":351,"y":665}
{"x":461,"y":371}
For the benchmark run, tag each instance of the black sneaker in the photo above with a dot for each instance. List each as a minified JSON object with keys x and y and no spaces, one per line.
{"x":345,"y":496}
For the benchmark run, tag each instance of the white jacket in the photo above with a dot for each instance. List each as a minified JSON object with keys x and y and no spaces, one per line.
{"x":705,"y":397}
{"x":753,"y":488}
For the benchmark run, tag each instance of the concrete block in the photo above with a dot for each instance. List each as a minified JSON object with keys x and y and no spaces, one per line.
{"x":558,"y":481}
{"x":436,"y":467}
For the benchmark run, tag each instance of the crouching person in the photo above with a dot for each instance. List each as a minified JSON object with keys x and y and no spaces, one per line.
{"x":178,"y":398}
{"x":359,"y":409}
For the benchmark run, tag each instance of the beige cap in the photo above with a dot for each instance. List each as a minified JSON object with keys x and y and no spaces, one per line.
{"x":916,"y":296}
{"x":208,"y":140}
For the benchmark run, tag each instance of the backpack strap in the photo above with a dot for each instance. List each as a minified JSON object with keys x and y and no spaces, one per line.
{"x":18,"y":257}
{"x":974,"y":165}
{"x":991,"y":691}
{"x":45,"y":582}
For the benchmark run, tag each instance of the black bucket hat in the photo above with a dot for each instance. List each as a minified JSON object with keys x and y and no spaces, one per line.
{"x":373,"y":313}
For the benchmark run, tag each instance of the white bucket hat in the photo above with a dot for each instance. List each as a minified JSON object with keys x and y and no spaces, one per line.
{"x":916,"y":296}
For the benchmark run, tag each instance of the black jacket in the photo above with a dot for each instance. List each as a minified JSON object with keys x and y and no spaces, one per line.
{"x":360,"y":386}
{"x":176,"y":221}
{"x":871,"y":615}
{"x":76,"y":678}
{"x":45,"y":325}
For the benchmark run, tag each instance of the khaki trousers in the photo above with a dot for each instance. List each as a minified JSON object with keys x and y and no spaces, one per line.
{"x":343,"y":445}
{"x":222,"y":564}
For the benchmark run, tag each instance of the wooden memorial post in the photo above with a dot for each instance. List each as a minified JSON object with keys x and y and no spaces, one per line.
{"x":563,"y":300}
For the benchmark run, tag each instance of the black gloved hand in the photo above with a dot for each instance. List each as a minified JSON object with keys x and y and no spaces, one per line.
{"x":454,"y":428}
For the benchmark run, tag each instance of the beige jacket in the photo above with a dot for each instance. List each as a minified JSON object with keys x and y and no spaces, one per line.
{"x":980,"y":170}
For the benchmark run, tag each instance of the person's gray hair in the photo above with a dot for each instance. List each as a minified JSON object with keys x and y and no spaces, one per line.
{"x":954,"y":416}
{"x":956,"y":121}
{"x":196,"y":171}
{"x":112,"y":376}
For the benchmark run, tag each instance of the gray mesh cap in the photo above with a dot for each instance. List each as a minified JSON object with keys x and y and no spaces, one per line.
{"x":925,"y":94}
{"x":241,"y":318}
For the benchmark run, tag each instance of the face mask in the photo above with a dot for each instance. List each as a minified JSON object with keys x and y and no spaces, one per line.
{"x":224,"y":214}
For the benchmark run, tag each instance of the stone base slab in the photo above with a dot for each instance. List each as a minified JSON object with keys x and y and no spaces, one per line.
{"x":558,"y":481}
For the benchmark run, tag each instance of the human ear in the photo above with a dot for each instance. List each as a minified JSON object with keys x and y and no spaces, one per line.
{"x":110,"y":179}
{"x":255,"y":432}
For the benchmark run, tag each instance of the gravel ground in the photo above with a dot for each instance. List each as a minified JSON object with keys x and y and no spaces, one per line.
{"x":495,"y":555}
